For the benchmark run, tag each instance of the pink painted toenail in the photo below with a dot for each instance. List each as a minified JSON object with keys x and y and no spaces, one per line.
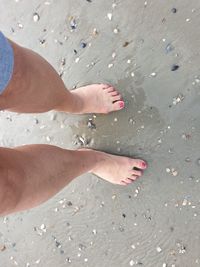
{"x":121,"y":104}
{"x":144,"y":164}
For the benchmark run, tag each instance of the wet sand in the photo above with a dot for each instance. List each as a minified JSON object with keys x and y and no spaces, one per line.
{"x":149,"y":50}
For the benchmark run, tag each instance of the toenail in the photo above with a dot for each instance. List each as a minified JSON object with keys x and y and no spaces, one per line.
{"x":144,"y":165}
{"x":121,"y":104}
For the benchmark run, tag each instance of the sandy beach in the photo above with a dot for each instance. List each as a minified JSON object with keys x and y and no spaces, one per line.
{"x":149,"y":50}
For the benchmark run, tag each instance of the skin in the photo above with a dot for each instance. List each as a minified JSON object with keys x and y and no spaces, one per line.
{"x":31,"y":174}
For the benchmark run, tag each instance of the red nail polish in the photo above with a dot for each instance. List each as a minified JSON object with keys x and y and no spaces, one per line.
{"x":144,"y":164}
{"x":121,"y":104}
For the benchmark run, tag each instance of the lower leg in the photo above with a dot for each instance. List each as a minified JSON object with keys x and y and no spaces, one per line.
{"x":36,"y":87}
{"x":32,"y":174}
{"x":37,"y":172}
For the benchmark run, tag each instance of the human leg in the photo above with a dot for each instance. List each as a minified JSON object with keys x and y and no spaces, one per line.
{"x":32,"y":174}
{"x":36,"y":87}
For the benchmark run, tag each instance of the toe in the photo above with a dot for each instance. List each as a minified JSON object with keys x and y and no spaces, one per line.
{"x":136,"y":173}
{"x":116,"y":98}
{"x":140,"y":164}
{"x":114,"y":93}
{"x":104,"y":86}
{"x":133,"y":177}
{"x":118,"y":105}
{"x":110,"y":89}
{"x":128,"y":181}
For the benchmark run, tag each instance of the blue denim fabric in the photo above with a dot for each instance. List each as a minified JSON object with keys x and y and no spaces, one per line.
{"x":6,"y":62}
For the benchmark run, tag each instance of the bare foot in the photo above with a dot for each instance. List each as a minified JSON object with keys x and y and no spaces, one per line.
{"x":97,"y":98}
{"x":118,"y":169}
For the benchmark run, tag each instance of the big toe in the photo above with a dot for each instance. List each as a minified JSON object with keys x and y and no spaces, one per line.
{"x":118,"y":105}
{"x":140,"y":164}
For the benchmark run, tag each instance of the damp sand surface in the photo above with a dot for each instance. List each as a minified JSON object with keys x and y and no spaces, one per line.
{"x":149,"y":50}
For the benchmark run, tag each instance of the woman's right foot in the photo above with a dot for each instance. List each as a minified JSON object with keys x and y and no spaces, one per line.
{"x":97,"y":98}
{"x":118,"y":169}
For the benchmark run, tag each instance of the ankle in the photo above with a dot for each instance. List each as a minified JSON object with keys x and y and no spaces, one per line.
{"x":70,"y":103}
{"x":77,"y":102}
{"x":94,"y":156}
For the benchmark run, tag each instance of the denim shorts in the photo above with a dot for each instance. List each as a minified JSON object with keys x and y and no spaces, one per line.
{"x":6,"y":62}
